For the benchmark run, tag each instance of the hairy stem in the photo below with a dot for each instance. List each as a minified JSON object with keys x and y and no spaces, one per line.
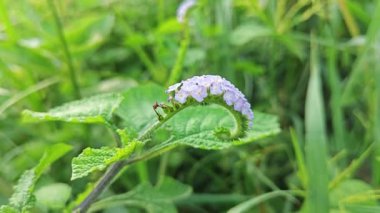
{"x":100,"y":186}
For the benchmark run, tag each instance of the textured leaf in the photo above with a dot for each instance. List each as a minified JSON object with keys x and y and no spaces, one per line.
{"x":22,"y":197}
{"x":98,"y":159}
{"x":136,"y":109}
{"x":195,"y":126}
{"x":53,"y":196}
{"x":96,"y":109}
{"x":153,"y":199}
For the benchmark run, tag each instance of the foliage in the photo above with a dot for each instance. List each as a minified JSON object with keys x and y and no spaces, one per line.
{"x":310,"y":67}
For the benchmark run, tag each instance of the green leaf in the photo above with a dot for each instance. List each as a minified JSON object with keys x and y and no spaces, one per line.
{"x":8,"y":209}
{"x":54,"y":196}
{"x":98,"y":159}
{"x":51,"y":154}
{"x":96,"y":109}
{"x":317,"y":199}
{"x":153,"y":199}
{"x":195,"y":126}
{"x":136,"y":109}
{"x":22,"y":197}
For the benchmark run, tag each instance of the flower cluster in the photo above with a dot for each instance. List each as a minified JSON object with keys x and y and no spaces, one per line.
{"x":183,"y":8}
{"x":200,"y":87}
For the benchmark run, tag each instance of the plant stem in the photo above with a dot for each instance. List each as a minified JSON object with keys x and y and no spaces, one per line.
{"x":66,"y":50}
{"x":102,"y":184}
{"x":176,"y":72}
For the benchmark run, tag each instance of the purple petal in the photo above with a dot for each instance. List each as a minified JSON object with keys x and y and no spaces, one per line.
{"x":181,"y":96}
{"x":229,"y":97}
{"x":216,"y":88}
{"x":183,"y":8}
{"x":199,"y":94}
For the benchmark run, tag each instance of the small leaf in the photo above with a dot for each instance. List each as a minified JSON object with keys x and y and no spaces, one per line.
{"x":96,"y":109}
{"x":54,"y":196}
{"x":153,"y":199}
{"x":98,"y":159}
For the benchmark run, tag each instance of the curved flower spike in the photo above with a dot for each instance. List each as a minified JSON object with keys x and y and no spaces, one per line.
{"x":183,"y":9}
{"x":200,"y":88}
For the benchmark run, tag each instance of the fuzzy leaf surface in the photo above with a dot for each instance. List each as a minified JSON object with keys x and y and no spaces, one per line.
{"x":195,"y":126}
{"x":98,"y":159}
{"x":96,"y":109}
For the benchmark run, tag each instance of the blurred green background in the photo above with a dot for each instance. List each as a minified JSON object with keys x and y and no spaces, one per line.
{"x":315,"y":64}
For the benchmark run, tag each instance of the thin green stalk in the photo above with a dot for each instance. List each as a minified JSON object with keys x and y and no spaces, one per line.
{"x":162,"y":168}
{"x":302,"y":172}
{"x":249,"y":204}
{"x":145,"y":59}
{"x":4,"y":17}
{"x":347,"y":172}
{"x":335,"y":100}
{"x":348,"y":19}
{"x":19,"y":96}
{"x":69,"y":60}
{"x":176,"y":72}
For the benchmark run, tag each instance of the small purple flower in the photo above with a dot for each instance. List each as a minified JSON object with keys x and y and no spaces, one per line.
{"x":181,"y":96}
{"x":239,"y":103}
{"x":183,"y":9}
{"x":216,"y":88}
{"x":229,"y":97}
{"x":200,"y":87}
{"x":199,"y":93}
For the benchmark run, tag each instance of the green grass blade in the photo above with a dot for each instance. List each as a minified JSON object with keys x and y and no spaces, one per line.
{"x":357,"y":73}
{"x":249,"y":204}
{"x":315,"y":148}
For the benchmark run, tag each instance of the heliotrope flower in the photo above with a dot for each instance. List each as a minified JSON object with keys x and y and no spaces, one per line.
{"x":201,"y":87}
{"x":184,"y":8}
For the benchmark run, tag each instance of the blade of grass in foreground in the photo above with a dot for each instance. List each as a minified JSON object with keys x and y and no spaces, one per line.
{"x":315,"y":148}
